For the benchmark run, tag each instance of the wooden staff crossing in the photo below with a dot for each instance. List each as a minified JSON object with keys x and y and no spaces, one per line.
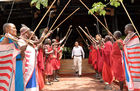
{"x":42,"y":19}
{"x":97,"y":19}
{"x":66,"y":19}
{"x":87,"y":30}
{"x":67,"y":36}
{"x":62,"y":22}
{"x":59,"y":15}
{"x":82,"y":37}
{"x":91,"y":40}
{"x":68,"y":30}
{"x":90,"y":34}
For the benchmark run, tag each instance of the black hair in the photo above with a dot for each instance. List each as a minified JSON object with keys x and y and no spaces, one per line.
{"x":130,"y":27}
{"x":118,"y":34}
{"x":5,"y":26}
{"x":53,"y":40}
{"x":99,"y":35}
{"x":46,"y":41}
{"x":107,"y":38}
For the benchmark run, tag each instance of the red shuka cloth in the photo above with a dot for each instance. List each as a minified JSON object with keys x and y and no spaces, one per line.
{"x":107,"y":71}
{"x":90,"y":54}
{"x":49,"y":67}
{"x":54,"y":61}
{"x":107,"y":51}
{"x":116,"y":62}
{"x":94,"y":59}
{"x":100,"y":59}
{"x":58,"y":55}
{"x":40,"y":61}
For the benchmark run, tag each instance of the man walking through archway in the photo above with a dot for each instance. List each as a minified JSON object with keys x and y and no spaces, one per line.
{"x":77,"y":55}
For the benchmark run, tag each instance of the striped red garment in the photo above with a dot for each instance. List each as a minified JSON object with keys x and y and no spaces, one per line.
{"x":134,"y":63}
{"x":6,"y":70}
{"x":135,"y":37}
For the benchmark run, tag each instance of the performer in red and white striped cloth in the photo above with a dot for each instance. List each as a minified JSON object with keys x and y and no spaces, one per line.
{"x":131,"y":59}
{"x":8,"y":53}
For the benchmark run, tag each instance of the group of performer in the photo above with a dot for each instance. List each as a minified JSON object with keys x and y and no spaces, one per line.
{"x":114,"y":59}
{"x":25,"y":61}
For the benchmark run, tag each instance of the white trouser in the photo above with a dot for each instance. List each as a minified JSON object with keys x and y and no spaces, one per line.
{"x":78,"y":64}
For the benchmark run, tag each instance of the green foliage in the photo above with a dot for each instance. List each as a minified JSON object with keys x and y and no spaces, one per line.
{"x":114,"y":3}
{"x":44,"y":3}
{"x":99,"y":7}
{"x":38,"y":3}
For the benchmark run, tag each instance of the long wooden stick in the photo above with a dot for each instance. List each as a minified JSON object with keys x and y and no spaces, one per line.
{"x":87,"y":35}
{"x":59,"y":15}
{"x":106,"y":22}
{"x":66,"y":19}
{"x":49,"y":18}
{"x":130,"y":18}
{"x":97,"y":19}
{"x":62,"y":22}
{"x":82,"y":37}
{"x":90,"y":34}
{"x":87,"y":30}
{"x":42,"y":19}
{"x":67,"y":36}
{"x":16,"y":38}
{"x":68,"y":30}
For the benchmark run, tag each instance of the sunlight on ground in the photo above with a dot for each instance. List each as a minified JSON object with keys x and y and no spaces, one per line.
{"x":76,"y":84}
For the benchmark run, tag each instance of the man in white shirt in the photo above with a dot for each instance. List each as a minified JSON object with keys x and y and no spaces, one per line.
{"x":77,"y":55}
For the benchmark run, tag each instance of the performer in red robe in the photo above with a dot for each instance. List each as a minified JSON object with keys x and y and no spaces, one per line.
{"x":94,"y":58}
{"x":54,"y":60}
{"x":58,"y":43}
{"x":59,"y":49}
{"x":116,"y":59}
{"x":107,"y":71}
{"x":99,"y":61}
{"x":59,"y":55}
{"x":48,"y":54}
{"x":90,"y":54}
